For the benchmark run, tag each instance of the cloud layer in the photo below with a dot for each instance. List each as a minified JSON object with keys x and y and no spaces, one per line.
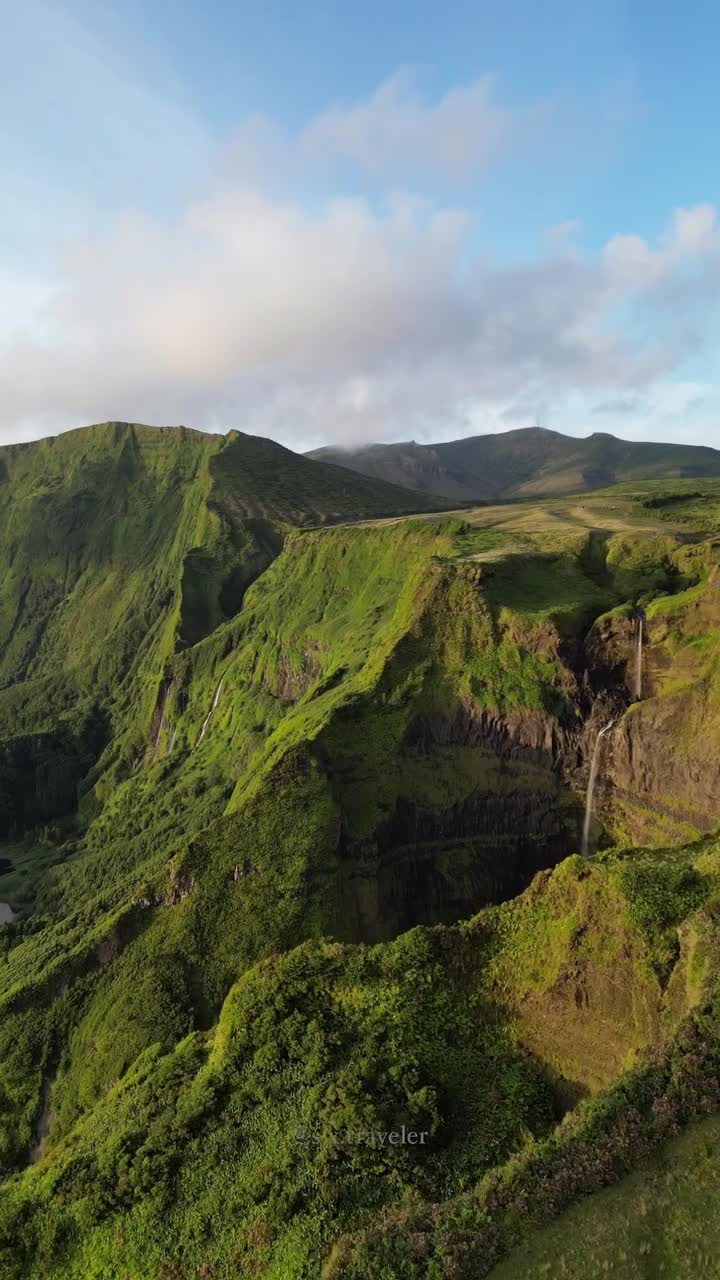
{"x":352,"y":319}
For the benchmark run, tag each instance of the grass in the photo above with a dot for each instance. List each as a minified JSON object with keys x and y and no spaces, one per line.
{"x":550,"y":587}
{"x":261,"y":1113}
{"x":660,"y":1223}
{"x":395,"y":704}
{"x":30,"y":862}
{"x":323,"y":1043}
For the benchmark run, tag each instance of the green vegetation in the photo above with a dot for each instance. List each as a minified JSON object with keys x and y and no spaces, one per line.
{"x":661,"y":1223}
{"x":685,"y":505}
{"x":553,"y":586}
{"x":259,"y":1134}
{"x":530,"y":462}
{"x":660,"y":897}
{"x":253,"y":772}
{"x":273,"y":1117}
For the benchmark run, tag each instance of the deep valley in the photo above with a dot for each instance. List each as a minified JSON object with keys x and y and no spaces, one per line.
{"x":295,"y":784}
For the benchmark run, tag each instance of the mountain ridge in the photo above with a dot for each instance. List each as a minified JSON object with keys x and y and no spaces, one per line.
{"x":261,"y":467}
{"x":526,"y":462}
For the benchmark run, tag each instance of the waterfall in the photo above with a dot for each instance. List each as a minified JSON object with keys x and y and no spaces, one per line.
{"x":206,"y":721}
{"x":165,"y":694}
{"x":592,"y":780}
{"x":639,"y":659}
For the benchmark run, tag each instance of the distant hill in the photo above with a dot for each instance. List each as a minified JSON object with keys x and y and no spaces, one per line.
{"x":530,"y":462}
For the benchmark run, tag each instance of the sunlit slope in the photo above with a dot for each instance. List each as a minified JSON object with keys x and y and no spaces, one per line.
{"x":389,"y":731}
{"x":391,"y":726}
{"x":253,"y":1143}
{"x":121,"y":545}
{"x":97,"y":525}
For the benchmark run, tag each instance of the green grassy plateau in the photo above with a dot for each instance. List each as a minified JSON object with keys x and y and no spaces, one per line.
{"x":292,"y":785}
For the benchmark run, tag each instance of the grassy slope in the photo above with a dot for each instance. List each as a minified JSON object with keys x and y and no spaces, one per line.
{"x":319,"y":685}
{"x":527,"y":462}
{"x":660,"y":1223}
{"x":606,"y":1136}
{"x":121,"y":545}
{"x":240,"y":1148}
{"x":98,"y":523}
{"x":180,"y":875}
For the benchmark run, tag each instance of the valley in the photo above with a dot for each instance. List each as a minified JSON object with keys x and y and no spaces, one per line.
{"x":294,"y":779}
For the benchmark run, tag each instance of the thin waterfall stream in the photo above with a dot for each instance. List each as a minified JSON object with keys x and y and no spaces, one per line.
{"x":206,"y":721}
{"x":166,"y":687}
{"x":592,"y":782}
{"x":639,"y":659}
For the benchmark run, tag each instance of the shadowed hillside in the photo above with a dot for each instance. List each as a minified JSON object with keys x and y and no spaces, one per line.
{"x":525,"y":463}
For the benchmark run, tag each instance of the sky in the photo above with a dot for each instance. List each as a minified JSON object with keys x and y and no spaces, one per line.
{"x":327,"y":222}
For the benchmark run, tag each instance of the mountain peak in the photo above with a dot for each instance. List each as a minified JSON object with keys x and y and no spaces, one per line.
{"x":524,"y":462}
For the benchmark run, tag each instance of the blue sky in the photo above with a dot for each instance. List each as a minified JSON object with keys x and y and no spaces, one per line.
{"x":334,"y":222}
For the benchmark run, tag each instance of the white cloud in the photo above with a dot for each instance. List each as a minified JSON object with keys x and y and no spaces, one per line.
{"x":693,"y":239}
{"x":395,"y":135}
{"x":342,"y":324}
{"x":357,"y":318}
{"x":694,"y":230}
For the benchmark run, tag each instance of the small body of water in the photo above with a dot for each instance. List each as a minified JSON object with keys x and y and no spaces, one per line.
{"x":7,"y":915}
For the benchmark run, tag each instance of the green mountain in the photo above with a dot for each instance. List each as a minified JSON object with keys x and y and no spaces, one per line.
{"x":306,"y":976}
{"x":528,"y":462}
{"x":120,"y":545}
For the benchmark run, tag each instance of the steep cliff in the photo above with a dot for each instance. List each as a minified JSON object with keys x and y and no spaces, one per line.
{"x":260,"y":737}
{"x":662,"y":780}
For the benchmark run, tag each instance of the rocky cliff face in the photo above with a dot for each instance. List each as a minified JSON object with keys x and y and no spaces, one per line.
{"x":40,"y":773}
{"x":661,"y":789}
{"x":436,"y":857}
{"x":456,"y":760}
{"x":662,"y":778}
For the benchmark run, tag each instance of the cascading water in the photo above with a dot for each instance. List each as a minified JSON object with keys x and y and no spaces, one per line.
{"x":592,"y":780}
{"x":639,"y":659}
{"x":166,"y":687}
{"x":206,"y":721}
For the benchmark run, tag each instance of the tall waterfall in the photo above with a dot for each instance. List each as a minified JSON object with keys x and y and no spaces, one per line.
{"x":206,"y":721}
{"x":639,"y":659}
{"x":592,"y":780}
